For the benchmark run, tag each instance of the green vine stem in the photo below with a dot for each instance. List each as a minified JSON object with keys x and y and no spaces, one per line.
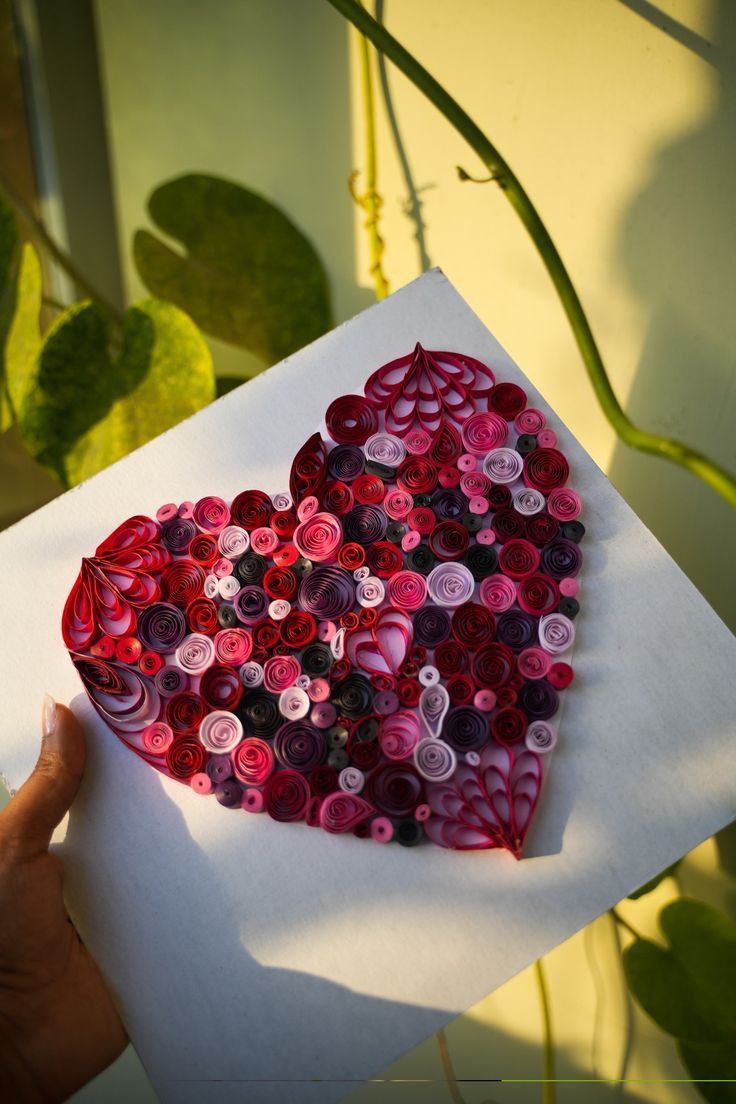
{"x":370,"y":200}
{"x":709,"y":472}
{"x":54,"y":250}
{"x":548,"y":1091}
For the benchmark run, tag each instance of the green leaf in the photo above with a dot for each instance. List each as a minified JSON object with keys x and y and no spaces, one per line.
{"x":712,"y":1066}
{"x":9,"y":249}
{"x":704,"y":942}
{"x":78,"y":406}
{"x":246,"y":274}
{"x":665,"y":991}
{"x":669,"y":872}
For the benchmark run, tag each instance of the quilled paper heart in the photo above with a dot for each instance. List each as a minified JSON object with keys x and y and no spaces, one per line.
{"x":378,"y":651}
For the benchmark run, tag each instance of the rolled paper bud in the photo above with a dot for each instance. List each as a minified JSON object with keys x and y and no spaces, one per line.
{"x":251,"y":674}
{"x":528,"y":502}
{"x":308,"y":506}
{"x":483,"y":432}
{"x":341,"y":811}
{"x":540,"y":737}
{"x":503,"y":465}
{"x":398,"y":504}
{"x":467,"y":462}
{"x":547,"y":438}
{"x":556,"y":633}
{"x":407,"y":590}
{"x":303,"y":682}
{"x":417,"y":442}
{"x":280,"y":672}
{"x":252,"y":801}
{"x":410,"y":540}
{"x":220,"y":731}
{"x":429,"y":676}
{"x":294,"y":703}
{"x":167,"y":512}
{"x":211,"y":586}
{"x":529,"y":421}
{"x":282,"y":501}
{"x":386,"y":702}
{"x":170,"y":680}
{"x":561,"y":558}
{"x":384,"y":448}
{"x":434,"y":703}
{"x":545,"y":469}
{"x":533,"y":663}
{"x":337,"y":644}
{"x":560,"y":675}
{"x":516,"y":629}
{"x":351,"y":780}
{"x":157,"y":738}
{"x":161,"y":627}
{"x":450,"y":584}
{"x":286,"y":795}
{"x":327,"y":592}
{"x":318,"y":690}
{"x":398,"y":735}
{"x":479,"y":506}
{"x":472,"y":758}
{"x":228,"y":586}
{"x":195,"y":653}
{"x":485,"y":700}
{"x":569,"y":587}
{"x":219,"y":768}
{"x":434,"y":759}
{"x":564,"y":504}
{"x":370,"y":592}
{"x":201,"y":783}
{"x":150,"y":663}
{"x":382,"y":830}
{"x":345,"y":463}
{"x":279,"y":609}
{"x":422,"y":812}
{"x":264,"y":540}
{"x":300,"y":746}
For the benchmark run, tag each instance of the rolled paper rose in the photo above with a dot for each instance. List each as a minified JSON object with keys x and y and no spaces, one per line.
{"x":251,"y":604}
{"x":564,"y":504}
{"x":280,"y":672}
{"x":185,"y":757}
{"x":201,"y":616}
{"x":518,"y":558}
{"x":508,"y":725}
{"x":385,"y":448}
{"x":529,"y":421}
{"x":449,"y":540}
{"x":398,"y":734}
{"x":493,"y":665}
{"x":407,"y":590}
{"x":341,"y":811}
{"x":220,"y":687}
{"x":228,"y":587}
{"x":251,"y":674}
{"x":474,"y":484}
{"x":282,"y":501}
{"x":528,"y":502}
{"x":286,"y":795}
{"x":395,"y":788}
{"x":346,"y":462}
{"x":300,"y":746}
{"x":279,"y":609}
{"x":434,"y":759}
{"x":539,"y":700}
{"x":351,"y":419}
{"x":540,"y":737}
{"x":534,"y":663}
{"x":450,"y":504}
{"x":253,"y":761}
{"x":473,"y":625}
{"x":220,"y":731}
{"x":484,"y":431}
{"x":498,"y":593}
{"x":417,"y":475}
{"x":327,"y":592}
{"x":417,"y":442}
{"x":211,"y":514}
{"x":450,"y":584}
{"x":545,"y":469}
{"x":182,"y":581}
{"x":561,"y":558}
{"x":465,"y":728}
{"x":516,"y":629}
{"x":157,"y":738}
{"x":351,"y":780}
{"x":538,"y":594}
{"x":541,"y":529}
{"x":203,"y":549}
{"x":184,"y":712}
{"x":507,"y":399}
{"x":171,"y":680}
{"x":319,"y":537}
{"x":233,"y":542}
{"x":397,"y":504}
{"x":250,"y":509}
{"x":369,"y":488}
{"x":264,"y":540}
{"x":177,"y":534}
{"x":431,"y":626}
{"x":195,"y":653}
{"x":556,"y":633}
{"x":161,"y":627}
{"x":481,"y":559}
{"x":299,"y":628}
{"x":364,"y":524}
{"x":503,"y":465}
{"x":337,"y":498}
{"x":370,"y":592}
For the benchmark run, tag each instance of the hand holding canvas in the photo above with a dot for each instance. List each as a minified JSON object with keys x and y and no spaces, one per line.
{"x":58,"y":1024}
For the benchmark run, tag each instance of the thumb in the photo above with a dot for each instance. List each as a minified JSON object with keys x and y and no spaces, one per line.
{"x":41,"y":802}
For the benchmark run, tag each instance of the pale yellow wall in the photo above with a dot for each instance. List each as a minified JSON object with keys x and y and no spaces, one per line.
{"x":624,"y":138}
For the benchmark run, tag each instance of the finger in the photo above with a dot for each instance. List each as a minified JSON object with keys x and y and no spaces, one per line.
{"x":30,"y":817}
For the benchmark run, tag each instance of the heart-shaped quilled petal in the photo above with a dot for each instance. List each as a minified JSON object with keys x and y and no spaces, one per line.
{"x":379,"y":651}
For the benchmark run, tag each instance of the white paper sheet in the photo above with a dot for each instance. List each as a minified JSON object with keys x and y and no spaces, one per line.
{"x":250,"y":956}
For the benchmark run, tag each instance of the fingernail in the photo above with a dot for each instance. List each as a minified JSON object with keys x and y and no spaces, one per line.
{"x":48,"y":716}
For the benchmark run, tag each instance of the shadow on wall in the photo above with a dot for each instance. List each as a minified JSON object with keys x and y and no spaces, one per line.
{"x":678,"y":253}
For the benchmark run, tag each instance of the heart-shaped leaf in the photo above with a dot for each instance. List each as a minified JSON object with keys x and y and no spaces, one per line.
{"x":248,"y":276}
{"x":78,"y":406}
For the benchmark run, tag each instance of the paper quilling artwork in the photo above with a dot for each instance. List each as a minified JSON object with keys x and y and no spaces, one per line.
{"x":381,"y":650}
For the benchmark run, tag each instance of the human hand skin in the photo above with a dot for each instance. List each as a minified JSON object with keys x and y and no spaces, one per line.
{"x":58,"y":1024}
